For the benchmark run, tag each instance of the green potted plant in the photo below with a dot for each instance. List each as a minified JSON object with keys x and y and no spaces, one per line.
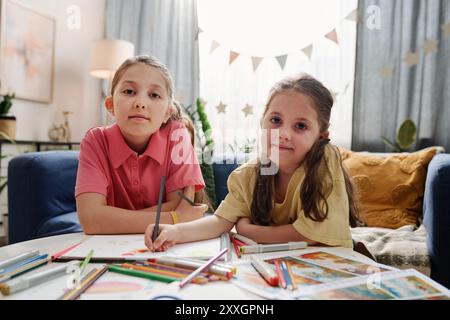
{"x":204,"y":136}
{"x":7,"y":121}
{"x":406,"y":135}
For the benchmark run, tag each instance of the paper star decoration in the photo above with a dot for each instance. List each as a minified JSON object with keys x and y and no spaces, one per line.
{"x":221,"y":107}
{"x":248,"y":110}
{"x":430,"y":46}
{"x":385,"y":72}
{"x":446,"y":29}
{"x":411,"y":59}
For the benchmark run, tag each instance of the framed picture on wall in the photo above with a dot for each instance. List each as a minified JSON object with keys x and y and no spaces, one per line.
{"x":26,"y":52}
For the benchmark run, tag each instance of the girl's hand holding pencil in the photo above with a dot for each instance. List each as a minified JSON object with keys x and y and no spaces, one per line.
{"x":167,"y":237}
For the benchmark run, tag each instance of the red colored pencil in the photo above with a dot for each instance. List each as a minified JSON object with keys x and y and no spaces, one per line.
{"x":239,"y":242}
{"x":62,"y":252}
{"x":236,"y":247}
{"x":280,"y":273}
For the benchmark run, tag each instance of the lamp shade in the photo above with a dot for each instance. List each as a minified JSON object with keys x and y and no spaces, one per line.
{"x":107,"y":55}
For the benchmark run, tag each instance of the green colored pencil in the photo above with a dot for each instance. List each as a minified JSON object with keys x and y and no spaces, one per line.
{"x":86,"y":260}
{"x":141,"y":274}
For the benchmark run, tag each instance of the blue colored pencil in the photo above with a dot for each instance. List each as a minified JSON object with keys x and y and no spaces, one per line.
{"x":286,"y":274}
{"x":24,"y":262}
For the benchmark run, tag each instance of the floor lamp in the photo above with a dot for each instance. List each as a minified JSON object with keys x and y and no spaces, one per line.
{"x":106,"y":57}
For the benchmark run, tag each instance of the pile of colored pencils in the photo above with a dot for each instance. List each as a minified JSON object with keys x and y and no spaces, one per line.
{"x":167,"y":269}
{"x":239,"y":241}
{"x":285,"y":274}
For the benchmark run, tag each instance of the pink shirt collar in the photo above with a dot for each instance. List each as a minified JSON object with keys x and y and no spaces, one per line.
{"x":120,"y":151}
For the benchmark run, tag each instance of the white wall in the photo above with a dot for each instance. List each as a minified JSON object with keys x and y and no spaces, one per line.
{"x":73,"y":88}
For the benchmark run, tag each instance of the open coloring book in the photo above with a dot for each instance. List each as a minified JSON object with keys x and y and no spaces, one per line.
{"x":322,"y":274}
{"x":132,"y":247}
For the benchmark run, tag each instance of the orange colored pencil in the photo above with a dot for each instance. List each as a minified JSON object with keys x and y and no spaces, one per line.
{"x":291,"y":274}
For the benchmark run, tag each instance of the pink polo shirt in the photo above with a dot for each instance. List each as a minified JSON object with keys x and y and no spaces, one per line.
{"x":108,"y":166}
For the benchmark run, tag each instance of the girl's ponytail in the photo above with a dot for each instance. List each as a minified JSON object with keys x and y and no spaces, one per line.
{"x":262,"y":203}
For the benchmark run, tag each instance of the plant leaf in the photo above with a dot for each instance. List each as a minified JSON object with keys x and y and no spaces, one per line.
{"x":406,"y":134}
{"x":3,"y":186}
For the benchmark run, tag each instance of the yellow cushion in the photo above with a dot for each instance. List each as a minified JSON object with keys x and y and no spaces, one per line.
{"x":390,"y":189}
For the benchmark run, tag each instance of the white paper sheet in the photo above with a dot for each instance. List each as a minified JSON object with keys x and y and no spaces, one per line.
{"x":132,"y":247}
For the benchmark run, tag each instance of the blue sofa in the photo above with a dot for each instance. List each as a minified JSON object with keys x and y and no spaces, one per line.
{"x":41,"y":200}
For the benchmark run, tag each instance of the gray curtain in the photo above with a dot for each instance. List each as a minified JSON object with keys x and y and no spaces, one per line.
{"x":420,"y":92}
{"x":166,"y":29}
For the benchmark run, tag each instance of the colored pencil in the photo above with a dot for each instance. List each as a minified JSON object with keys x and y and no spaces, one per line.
{"x":73,"y":291}
{"x":86,"y":261}
{"x":17,"y":259}
{"x":203,"y":267}
{"x":236,"y":247}
{"x":198,"y":280}
{"x":62,"y":252}
{"x":260,"y":248}
{"x":291,"y":275}
{"x":280,"y":273}
{"x":246,"y":240}
{"x":158,"y":210}
{"x":25,"y":267}
{"x":141,"y":274}
{"x":286,"y":274}
{"x":164,"y":267}
{"x":265,"y":271}
{"x":215,"y":264}
{"x":25,"y":282}
{"x":181,"y":194}
{"x":86,"y":283}
{"x":239,"y":242}
{"x":215,"y":268}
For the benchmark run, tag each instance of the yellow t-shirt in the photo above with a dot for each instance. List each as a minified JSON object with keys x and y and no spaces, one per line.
{"x":333,"y":231}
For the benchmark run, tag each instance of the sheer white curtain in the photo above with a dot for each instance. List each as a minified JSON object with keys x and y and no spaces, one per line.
{"x":267,"y":29}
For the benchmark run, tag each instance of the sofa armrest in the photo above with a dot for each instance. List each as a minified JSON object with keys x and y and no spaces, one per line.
{"x":41,"y":186}
{"x":437,"y":217}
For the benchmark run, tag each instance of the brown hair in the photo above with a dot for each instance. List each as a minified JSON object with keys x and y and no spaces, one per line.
{"x":315,"y":189}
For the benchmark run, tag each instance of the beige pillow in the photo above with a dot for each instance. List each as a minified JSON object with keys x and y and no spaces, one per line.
{"x":390,"y":189}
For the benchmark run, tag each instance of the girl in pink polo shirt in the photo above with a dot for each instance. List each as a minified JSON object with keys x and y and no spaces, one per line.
{"x":121,"y":166}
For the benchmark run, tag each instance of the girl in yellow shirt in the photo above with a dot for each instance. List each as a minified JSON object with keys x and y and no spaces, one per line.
{"x":297,"y":190}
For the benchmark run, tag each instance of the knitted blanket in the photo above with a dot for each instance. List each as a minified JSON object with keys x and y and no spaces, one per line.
{"x":401,"y":248}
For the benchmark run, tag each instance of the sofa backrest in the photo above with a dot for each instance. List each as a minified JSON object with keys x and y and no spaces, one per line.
{"x":40,"y":186}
